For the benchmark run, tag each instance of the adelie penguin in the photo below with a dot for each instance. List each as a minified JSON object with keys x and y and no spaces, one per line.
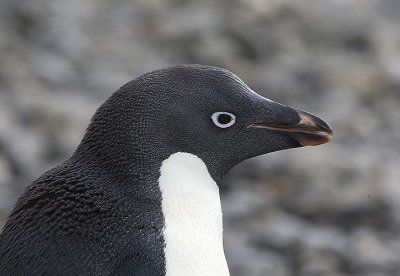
{"x":140,"y":194}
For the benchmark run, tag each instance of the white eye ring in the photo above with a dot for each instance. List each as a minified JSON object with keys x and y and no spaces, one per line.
{"x":223,"y":119}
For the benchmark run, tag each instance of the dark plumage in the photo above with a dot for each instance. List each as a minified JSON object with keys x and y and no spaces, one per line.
{"x":99,"y":212}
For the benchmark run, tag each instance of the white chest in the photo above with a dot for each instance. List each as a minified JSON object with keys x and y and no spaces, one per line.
{"x":193,"y":218}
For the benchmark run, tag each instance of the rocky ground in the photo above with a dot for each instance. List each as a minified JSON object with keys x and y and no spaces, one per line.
{"x":330,"y":210}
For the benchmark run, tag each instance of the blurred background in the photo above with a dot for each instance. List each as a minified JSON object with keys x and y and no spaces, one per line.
{"x":329,"y":210}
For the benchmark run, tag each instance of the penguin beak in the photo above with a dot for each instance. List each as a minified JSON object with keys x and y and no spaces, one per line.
{"x":309,"y":131}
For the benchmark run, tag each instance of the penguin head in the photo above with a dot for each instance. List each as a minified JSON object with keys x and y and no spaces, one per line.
{"x":202,"y":110}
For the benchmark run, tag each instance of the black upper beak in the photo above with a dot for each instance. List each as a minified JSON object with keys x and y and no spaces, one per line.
{"x":309,"y":131}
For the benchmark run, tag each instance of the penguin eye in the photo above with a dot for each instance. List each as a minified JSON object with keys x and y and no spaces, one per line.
{"x":223,"y":119}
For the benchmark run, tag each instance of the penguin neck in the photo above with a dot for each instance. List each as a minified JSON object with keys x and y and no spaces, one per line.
{"x":193,"y":217}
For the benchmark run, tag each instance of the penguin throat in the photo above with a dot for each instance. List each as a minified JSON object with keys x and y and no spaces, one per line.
{"x":193,"y":218}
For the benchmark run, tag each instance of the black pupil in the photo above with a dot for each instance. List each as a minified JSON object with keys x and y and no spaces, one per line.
{"x":224,"y":119}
